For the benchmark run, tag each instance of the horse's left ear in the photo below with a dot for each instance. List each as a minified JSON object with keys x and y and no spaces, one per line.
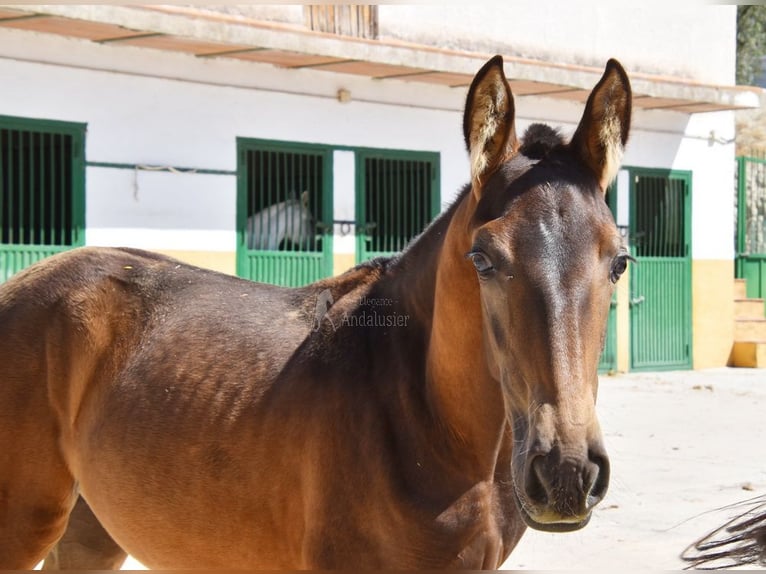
{"x":603,"y":131}
{"x":305,"y":198}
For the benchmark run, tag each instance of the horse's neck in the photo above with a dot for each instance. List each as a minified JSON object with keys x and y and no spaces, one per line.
{"x":441,"y":288}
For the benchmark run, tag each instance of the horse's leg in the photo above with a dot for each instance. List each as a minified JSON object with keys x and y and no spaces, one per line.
{"x":85,"y":544}
{"x":37,"y":491}
{"x":37,"y":488}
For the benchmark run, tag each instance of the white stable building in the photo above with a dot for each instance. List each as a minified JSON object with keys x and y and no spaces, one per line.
{"x":336,"y":132}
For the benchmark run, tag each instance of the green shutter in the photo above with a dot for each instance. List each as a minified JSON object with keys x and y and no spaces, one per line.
{"x":42,"y":190}
{"x":397,"y":195}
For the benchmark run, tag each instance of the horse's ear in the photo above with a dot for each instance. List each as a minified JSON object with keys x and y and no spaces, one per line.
{"x":488,"y":121}
{"x":305,"y":199}
{"x":603,"y":131}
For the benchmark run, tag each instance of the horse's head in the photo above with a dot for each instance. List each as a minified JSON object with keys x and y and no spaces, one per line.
{"x":301,"y":226}
{"x":546,"y":256}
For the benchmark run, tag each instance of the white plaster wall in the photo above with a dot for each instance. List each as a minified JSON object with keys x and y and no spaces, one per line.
{"x":683,"y":37}
{"x":712,"y":162}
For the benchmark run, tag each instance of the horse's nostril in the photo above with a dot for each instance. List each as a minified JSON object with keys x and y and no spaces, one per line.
{"x":597,"y":481}
{"x":535,"y":486}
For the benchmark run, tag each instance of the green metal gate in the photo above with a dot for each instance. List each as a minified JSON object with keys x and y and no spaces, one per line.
{"x":751,"y":224}
{"x":660,"y":300}
{"x":397,"y":195}
{"x":284,"y":212}
{"x":42,"y":190}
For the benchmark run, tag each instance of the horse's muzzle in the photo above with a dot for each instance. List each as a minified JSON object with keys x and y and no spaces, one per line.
{"x":559,"y":491}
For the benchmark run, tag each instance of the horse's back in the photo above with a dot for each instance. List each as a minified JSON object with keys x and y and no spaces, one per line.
{"x":95,"y":317}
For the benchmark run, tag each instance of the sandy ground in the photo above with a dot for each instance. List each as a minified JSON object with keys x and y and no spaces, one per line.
{"x":681,"y":444}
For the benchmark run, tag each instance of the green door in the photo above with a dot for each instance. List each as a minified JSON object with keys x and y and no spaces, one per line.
{"x":42,"y":190}
{"x":284,"y":212}
{"x":660,"y":299}
{"x":397,"y":195}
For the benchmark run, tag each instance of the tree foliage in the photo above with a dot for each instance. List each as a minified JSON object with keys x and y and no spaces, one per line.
{"x":751,"y":42}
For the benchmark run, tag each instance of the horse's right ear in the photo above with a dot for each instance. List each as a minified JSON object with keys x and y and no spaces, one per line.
{"x":305,"y":198}
{"x":488,"y":121}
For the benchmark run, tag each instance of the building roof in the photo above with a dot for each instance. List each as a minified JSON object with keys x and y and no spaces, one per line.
{"x":207,"y":34}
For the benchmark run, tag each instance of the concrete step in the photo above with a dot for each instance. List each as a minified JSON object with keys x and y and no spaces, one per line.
{"x":750,"y":329}
{"x":740,"y":289}
{"x":748,"y":354}
{"x":748,"y":308}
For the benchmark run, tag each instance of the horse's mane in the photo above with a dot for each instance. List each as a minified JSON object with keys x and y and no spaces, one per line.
{"x":738,"y":542}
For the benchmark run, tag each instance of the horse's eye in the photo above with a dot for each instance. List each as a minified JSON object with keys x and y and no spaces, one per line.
{"x":619,"y":265}
{"x":481,"y":262}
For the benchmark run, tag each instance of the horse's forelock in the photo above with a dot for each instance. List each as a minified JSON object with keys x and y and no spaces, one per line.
{"x":539,"y":140}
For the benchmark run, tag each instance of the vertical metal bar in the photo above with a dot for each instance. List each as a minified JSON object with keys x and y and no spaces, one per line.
{"x":316,"y":199}
{"x":43,"y":162}
{"x":414,"y":194}
{"x":284,"y":194}
{"x":376,"y":239}
{"x":267,"y":157}
{"x":19,"y":215}
{"x":67,"y":199}
{"x":33,"y":184}
{"x":255,"y":160}
{"x":387,"y":205}
{"x":414,"y":191}
{"x":374,"y":193}
{"x":319,"y":197}
{"x":390,"y":230}
{"x":407,"y":198}
{"x":13,"y":187}
{"x":287,"y":194}
{"x":371,"y":206}
{"x":400,"y":204}
{"x":50,"y":207}
{"x":60,"y":191}
{"x":396,"y":200}
{"x":260,"y":194}
{"x":56,"y":211}
{"x":417,"y":207}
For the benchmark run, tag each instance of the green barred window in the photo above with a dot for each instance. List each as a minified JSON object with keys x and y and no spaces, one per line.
{"x":284,"y":212}
{"x":398,"y":197}
{"x":42,"y":172}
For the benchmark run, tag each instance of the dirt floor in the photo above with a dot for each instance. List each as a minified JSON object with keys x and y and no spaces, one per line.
{"x":681,"y":444}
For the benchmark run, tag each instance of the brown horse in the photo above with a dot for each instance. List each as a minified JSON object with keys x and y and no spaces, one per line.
{"x":435,"y":404}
